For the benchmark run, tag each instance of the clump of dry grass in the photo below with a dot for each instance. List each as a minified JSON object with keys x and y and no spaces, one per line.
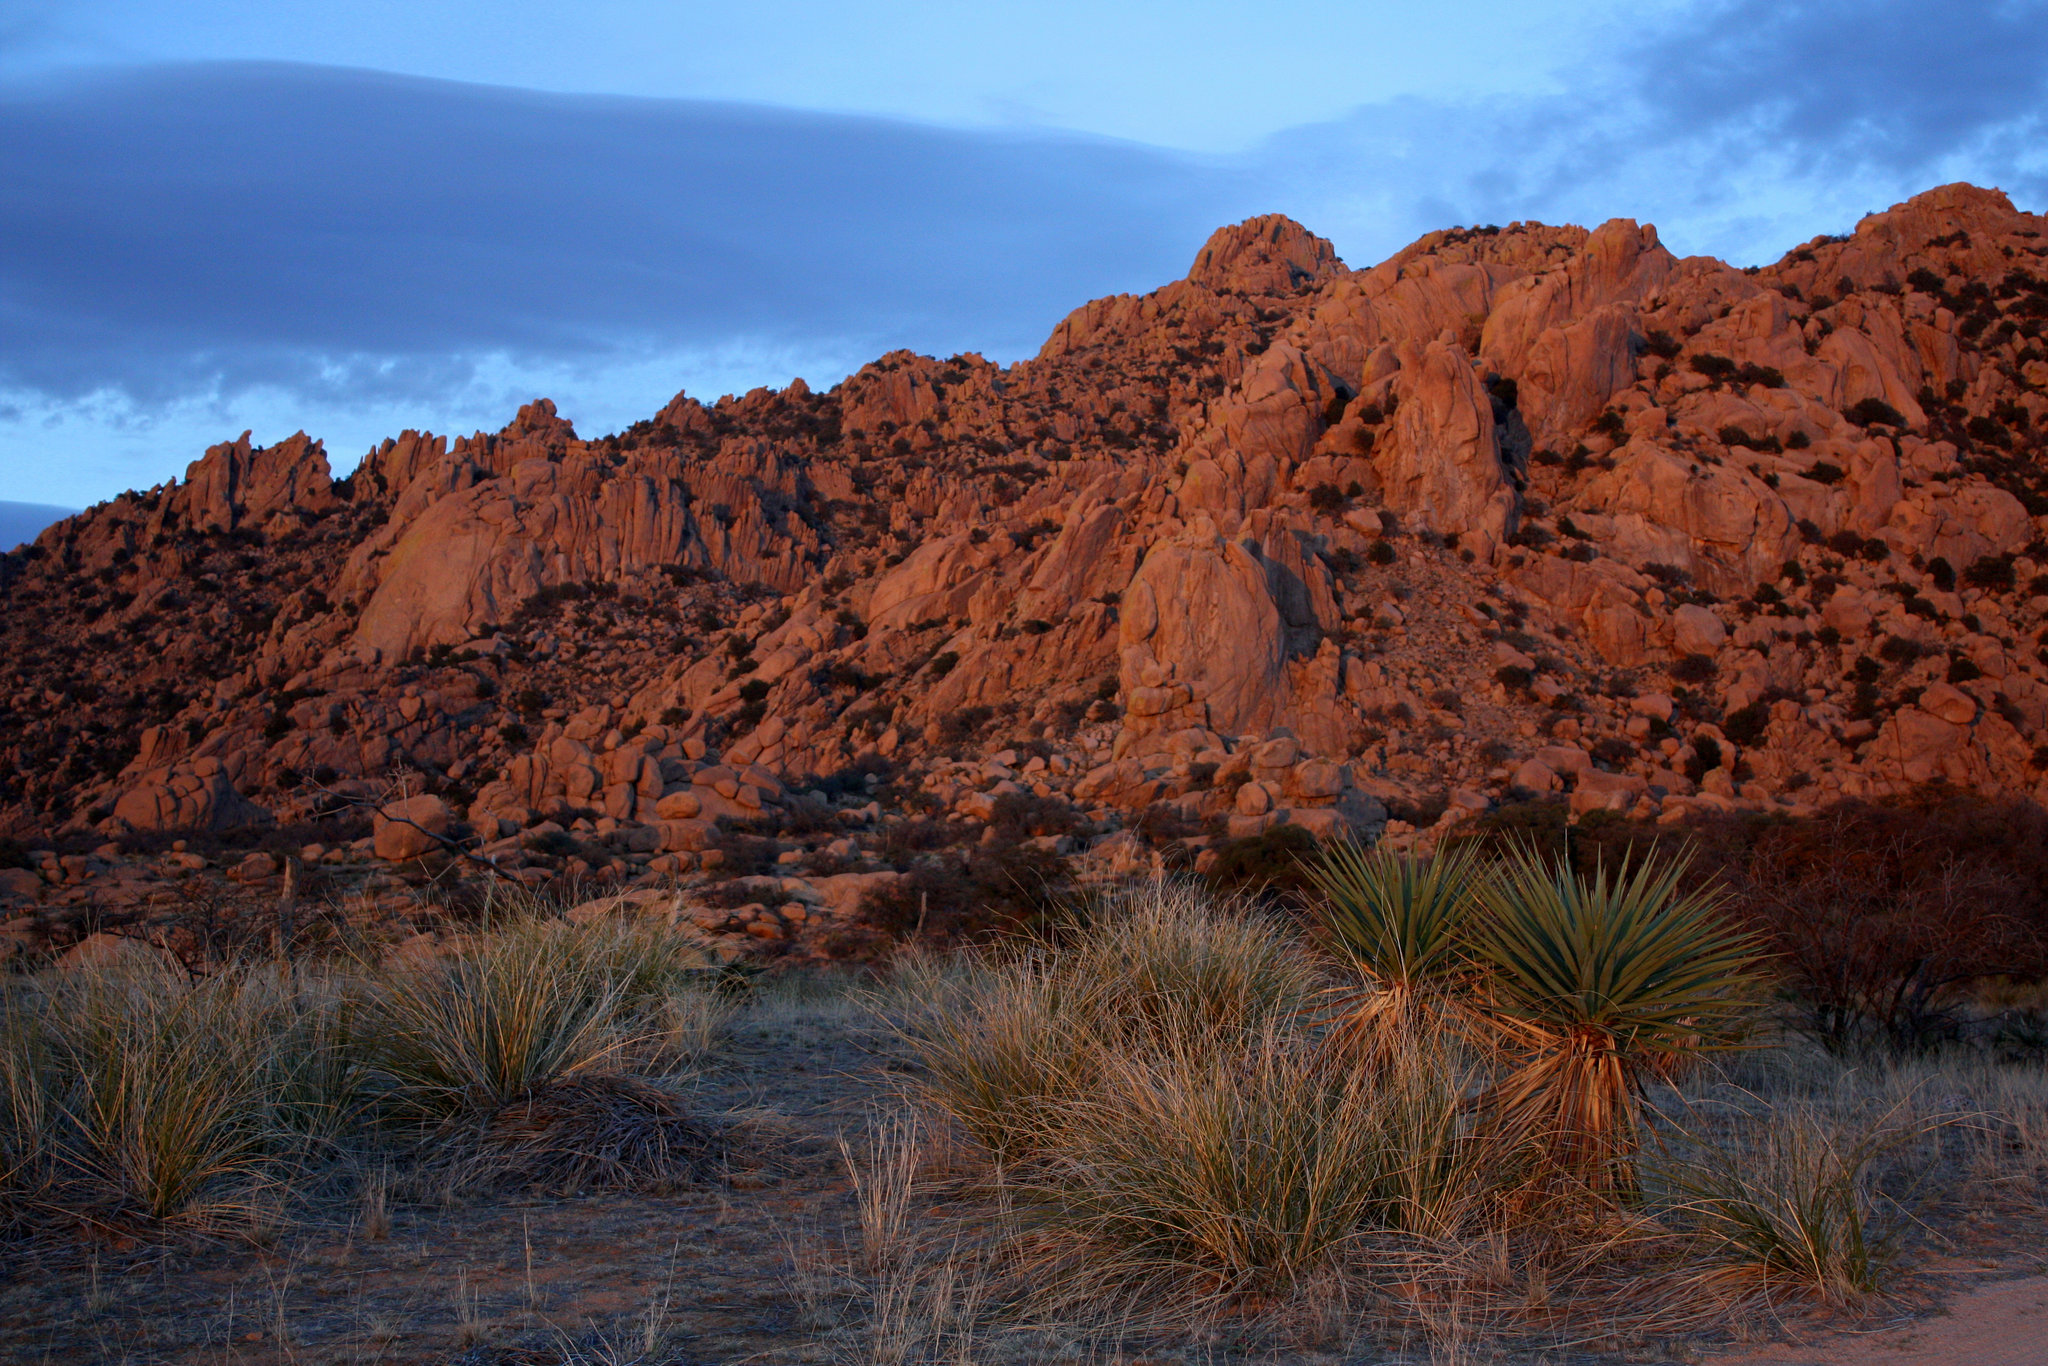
{"x":1792,"y":1198}
{"x":1152,"y":967}
{"x":135,"y":1094}
{"x":1247,"y":1167}
{"x":538,"y":1001}
{"x":470,"y":1036}
{"x":139,"y":1094}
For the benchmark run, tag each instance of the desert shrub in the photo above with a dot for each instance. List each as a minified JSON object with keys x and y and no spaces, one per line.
{"x":746,"y":854}
{"x":964,"y":724}
{"x":1695,"y":669}
{"x":1948,"y":889}
{"x":1022,"y":815}
{"x":1163,"y":823}
{"x":852,"y":780}
{"x":1991,"y":572}
{"x":1544,"y":823}
{"x":1898,"y":650}
{"x":1872,"y":411}
{"x":969,"y":895}
{"x":1268,"y":865}
{"x":1746,"y":725}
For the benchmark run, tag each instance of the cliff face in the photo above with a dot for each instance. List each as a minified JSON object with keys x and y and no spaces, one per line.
{"x":1521,"y":509}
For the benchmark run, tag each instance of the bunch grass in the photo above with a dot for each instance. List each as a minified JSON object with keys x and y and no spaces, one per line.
{"x":1792,"y":1198}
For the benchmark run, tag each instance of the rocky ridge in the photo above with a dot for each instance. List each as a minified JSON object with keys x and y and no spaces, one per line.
{"x":1521,"y":510}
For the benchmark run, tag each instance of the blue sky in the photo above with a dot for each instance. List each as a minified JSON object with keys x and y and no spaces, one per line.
{"x":358,"y":217}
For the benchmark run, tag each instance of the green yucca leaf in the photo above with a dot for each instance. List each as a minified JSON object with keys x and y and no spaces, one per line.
{"x":1626,"y":952}
{"x":1399,"y":918}
{"x":1596,"y":981}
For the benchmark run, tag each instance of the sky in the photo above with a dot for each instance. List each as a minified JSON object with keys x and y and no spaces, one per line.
{"x":358,"y":216}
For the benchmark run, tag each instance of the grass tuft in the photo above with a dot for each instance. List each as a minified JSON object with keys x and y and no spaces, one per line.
{"x":1794,"y":1201}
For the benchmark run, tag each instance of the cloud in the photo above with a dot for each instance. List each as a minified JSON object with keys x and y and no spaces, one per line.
{"x":1897,"y":84}
{"x":21,"y":522}
{"x":340,"y":232}
{"x":186,"y":251}
{"x":1741,"y":126}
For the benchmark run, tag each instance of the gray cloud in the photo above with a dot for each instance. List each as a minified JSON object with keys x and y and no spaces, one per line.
{"x":245,"y":243}
{"x":338,"y":231}
{"x":1741,"y":126}
{"x":1899,"y":84}
{"x":21,"y":522}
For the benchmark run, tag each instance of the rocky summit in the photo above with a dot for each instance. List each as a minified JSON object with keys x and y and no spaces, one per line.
{"x":1523,"y":510}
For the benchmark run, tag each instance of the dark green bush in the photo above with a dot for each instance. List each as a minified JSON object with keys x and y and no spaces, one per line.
{"x":1268,"y":865}
{"x":1875,"y":411}
{"x":1695,"y":669}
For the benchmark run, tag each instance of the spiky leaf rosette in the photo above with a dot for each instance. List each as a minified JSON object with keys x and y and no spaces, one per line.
{"x":1599,"y":981}
{"x":1400,"y":920}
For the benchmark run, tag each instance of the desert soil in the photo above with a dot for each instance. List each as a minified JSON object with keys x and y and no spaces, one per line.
{"x":752,"y":1269}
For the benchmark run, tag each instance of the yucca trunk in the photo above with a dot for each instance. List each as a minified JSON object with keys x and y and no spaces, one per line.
{"x":1575,"y":1101}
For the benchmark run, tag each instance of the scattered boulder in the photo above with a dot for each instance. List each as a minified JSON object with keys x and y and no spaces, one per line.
{"x":411,"y":827}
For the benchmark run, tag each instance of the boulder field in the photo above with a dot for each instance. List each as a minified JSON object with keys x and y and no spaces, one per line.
{"x":1521,"y":510}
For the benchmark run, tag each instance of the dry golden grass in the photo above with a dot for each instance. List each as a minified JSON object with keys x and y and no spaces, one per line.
{"x":1135,"y":1136}
{"x":1160,"y":1157}
{"x":134,"y":1096}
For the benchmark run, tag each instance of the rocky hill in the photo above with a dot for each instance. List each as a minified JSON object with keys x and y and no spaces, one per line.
{"x":1521,"y":510}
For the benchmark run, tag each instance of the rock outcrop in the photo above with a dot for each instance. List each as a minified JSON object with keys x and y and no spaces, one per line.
{"x":1522,"y":510}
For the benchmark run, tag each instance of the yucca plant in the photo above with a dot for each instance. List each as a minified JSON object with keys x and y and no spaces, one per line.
{"x":1399,"y":919}
{"x":1598,"y":983}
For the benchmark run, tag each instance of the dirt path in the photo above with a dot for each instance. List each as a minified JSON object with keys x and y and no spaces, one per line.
{"x":2002,"y":1324}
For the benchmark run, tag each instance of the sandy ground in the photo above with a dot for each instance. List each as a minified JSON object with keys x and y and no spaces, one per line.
{"x":2001,"y":1324}
{"x":513,"y":1280}
{"x":740,"y":1271}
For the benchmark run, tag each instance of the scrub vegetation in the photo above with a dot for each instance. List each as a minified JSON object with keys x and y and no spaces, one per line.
{"x":1476,"y":1104}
